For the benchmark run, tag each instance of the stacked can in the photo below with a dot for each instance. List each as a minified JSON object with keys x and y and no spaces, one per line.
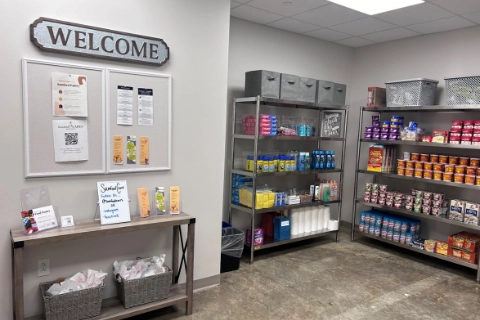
{"x":375,"y":193}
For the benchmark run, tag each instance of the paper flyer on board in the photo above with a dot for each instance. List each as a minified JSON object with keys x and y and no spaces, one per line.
{"x":113,"y":202}
{"x":69,"y":95}
{"x":70,"y":140}
{"x":118,"y":149}
{"x":144,"y":146}
{"x":145,"y":107}
{"x":125,"y":105}
{"x":131,"y":149}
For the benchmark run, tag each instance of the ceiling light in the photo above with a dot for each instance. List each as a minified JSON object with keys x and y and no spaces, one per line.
{"x":287,"y":3}
{"x":372,"y":7}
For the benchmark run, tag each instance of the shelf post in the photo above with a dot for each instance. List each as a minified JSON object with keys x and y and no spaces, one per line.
{"x":17,"y":281}
{"x":190,"y":260}
{"x":232,"y":154}
{"x":254,"y":185}
{"x":355,"y":186}
{"x":175,"y":249}
{"x":340,"y":195}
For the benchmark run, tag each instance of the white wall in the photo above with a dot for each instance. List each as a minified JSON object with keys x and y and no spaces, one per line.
{"x":197,"y":34}
{"x":434,"y":56}
{"x":258,"y":47}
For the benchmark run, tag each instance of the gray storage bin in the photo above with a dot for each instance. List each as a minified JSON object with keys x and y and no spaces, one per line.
{"x":462,"y":90}
{"x":307,"y":90}
{"x":262,"y":83}
{"x":325,"y":91}
{"x":340,"y":90}
{"x":412,"y":92}
{"x":289,"y":85}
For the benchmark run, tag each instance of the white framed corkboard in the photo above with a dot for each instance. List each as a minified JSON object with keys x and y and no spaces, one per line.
{"x":39,"y":154}
{"x":159,"y":134}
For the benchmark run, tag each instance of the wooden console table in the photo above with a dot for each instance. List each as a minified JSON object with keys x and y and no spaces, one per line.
{"x":112,"y":308}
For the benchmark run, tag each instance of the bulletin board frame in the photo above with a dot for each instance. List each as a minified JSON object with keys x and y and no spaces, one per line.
{"x":37,"y":113}
{"x":160,"y":134}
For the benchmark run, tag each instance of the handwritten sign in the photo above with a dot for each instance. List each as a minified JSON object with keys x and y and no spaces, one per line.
{"x":113,"y":202}
{"x":331,"y":124}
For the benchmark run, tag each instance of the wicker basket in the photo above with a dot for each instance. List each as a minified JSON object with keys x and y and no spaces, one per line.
{"x":462,"y":90}
{"x":82,"y":304}
{"x":141,"y":291}
{"x":413,"y":92}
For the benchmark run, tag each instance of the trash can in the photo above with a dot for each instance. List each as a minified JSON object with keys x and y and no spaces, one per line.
{"x":232,"y":249}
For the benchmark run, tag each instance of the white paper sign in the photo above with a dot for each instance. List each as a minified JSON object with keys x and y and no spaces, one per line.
{"x":113,"y":202}
{"x":125,"y":105}
{"x":70,"y":140}
{"x":69,"y":95}
{"x":45,"y":218}
{"x":145,"y":107}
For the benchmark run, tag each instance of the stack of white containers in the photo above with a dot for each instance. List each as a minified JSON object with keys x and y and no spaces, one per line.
{"x":311,"y":219}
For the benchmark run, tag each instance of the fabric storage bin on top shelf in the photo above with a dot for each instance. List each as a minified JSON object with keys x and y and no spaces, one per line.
{"x":325,"y":91}
{"x":413,"y":92}
{"x":76,"y":305}
{"x":307,"y":90}
{"x":289,"y":85}
{"x":462,"y":90}
{"x":262,"y":83}
{"x":339,"y":92}
{"x":136,"y":292}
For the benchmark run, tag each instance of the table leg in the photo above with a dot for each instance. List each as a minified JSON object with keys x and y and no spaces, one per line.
{"x":17,"y":283}
{"x":190,"y":259}
{"x":175,"y":248}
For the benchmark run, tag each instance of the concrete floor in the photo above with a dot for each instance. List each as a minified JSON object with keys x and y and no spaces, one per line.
{"x":322,"y":279}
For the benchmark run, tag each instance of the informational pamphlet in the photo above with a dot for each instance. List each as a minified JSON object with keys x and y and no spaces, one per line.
{"x":143,"y":202}
{"x":113,"y":202}
{"x":174,"y":200}
{"x":118,"y":149}
{"x":131,"y":149}
{"x":69,"y":95}
{"x":144,"y":150}
{"x":145,"y":107}
{"x":70,"y":140}
{"x":125,"y":105}
{"x":39,"y":219}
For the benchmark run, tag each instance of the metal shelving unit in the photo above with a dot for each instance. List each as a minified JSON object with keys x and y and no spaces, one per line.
{"x":257,"y":139}
{"x":403,"y":212}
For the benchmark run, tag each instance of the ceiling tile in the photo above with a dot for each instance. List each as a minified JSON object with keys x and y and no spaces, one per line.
{"x":254,"y":15}
{"x":363,"y":26}
{"x":389,"y":35}
{"x":355,"y":42}
{"x":414,"y":14}
{"x":234,"y":4}
{"x":293,"y":25}
{"x":474,"y":16}
{"x":459,"y":6}
{"x":243,"y":1}
{"x":329,"y":15}
{"x":327,"y":34}
{"x":296,"y":7}
{"x":441,"y":25}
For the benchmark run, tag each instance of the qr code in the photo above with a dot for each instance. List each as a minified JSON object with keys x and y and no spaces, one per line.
{"x":71,"y":138}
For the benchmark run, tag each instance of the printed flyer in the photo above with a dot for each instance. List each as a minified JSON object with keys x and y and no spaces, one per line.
{"x":70,"y":140}
{"x":69,"y":95}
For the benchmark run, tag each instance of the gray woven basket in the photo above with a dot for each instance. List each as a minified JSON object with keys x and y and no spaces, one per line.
{"x":413,"y":92}
{"x":462,"y":90}
{"x":141,"y":291}
{"x":82,"y":304}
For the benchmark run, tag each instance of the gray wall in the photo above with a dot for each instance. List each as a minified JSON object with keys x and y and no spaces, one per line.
{"x":197,"y":34}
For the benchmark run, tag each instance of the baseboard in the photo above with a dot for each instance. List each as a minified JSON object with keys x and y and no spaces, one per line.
{"x":206,"y":283}
{"x":345,"y":224}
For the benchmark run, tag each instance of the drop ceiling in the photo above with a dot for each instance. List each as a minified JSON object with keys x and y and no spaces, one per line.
{"x":325,"y":20}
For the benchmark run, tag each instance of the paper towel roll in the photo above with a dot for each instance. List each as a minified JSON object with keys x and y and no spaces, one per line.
{"x":301,"y":221}
{"x":332,"y":224}
{"x":315,"y":219}
{"x":308,"y":219}
{"x":325,"y":224}
{"x":321,"y":210}
{"x":294,"y":221}
{"x":326,"y":214}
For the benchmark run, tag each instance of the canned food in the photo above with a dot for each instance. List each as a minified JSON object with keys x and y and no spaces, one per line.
{"x":460,"y":169}
{"x":443,"y":159}
{"x":428,"y":195}
{"x":438,"y":167}
{"x":410,"y":164}
{"x":475,"y":162}
{"x":458,"y":178}
{"x":455,"y":140}
{"x":384,"y":233}
{"x":402,"y":238}
{"x":468,"y":124}
{"x":436,"y":211}
{"x":453,"y":160}
{"x":467,"y":134}
{"x":434,"y":158}
{"x":382,"y":187}
{"x":401,"y":171}
{"x":427,"y":166}
{"x":418,"y":173}
{"x":478,"y":172}
{"x":419,"y":165}
{"x":368,"y":186}
{"x":464,"y":161}
{"x":449,"y":168}
{"x":437,"y":175}
{"x":438,"y":197}
{"x":409,"y":206}
{"x":381,"y":201}
{"x":406,"y":156}
{"x":455,"y":134}
{"x":477,"y":180}
{"x":424,"y":157}
{"x":448,"y":176}
{"x":419,"y":194}
{"x":426,"y":209}
{"x":476,"y":124}
{"x":457,"y":124}
{"x":476,"y":140}
{"x":466,"y":141}
{"x":469,"y":179}
{"x":427,"y":174}
{"x":437,"y":203}
{"x":415,"y":156}
{"x":401,"y":163}
{"x":389,"y":235}
{"x":456,"y":130}
{"x":409,"y":172}
{"x":426,"y":202}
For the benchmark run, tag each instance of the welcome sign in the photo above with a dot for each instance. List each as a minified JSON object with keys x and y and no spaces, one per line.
{"x":72,"y":38}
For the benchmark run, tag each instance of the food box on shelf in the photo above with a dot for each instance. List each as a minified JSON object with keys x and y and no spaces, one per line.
{"x":465,"y":240}
{"x":457,"y":210}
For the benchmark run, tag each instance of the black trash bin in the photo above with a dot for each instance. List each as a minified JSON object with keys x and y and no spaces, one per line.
{"x":232,"y":249}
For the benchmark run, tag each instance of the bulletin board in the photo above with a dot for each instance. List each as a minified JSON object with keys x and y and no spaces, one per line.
{"x":38,"y":116}
{"x":159,"y":134}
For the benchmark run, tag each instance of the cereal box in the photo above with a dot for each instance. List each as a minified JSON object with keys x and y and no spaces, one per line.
{"x":457,"y":210}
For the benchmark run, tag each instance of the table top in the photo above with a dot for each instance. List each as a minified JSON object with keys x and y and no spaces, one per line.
{"x":94,"y":229}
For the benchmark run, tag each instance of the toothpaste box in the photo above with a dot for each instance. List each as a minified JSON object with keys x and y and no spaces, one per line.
{"x":471,"y":213}
{"x":457,"y":210}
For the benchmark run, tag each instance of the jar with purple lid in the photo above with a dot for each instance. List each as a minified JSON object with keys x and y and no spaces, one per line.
{"x":368,"y":135}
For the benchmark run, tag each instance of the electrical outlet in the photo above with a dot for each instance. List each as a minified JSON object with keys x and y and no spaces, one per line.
{"x":43,"y":267}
